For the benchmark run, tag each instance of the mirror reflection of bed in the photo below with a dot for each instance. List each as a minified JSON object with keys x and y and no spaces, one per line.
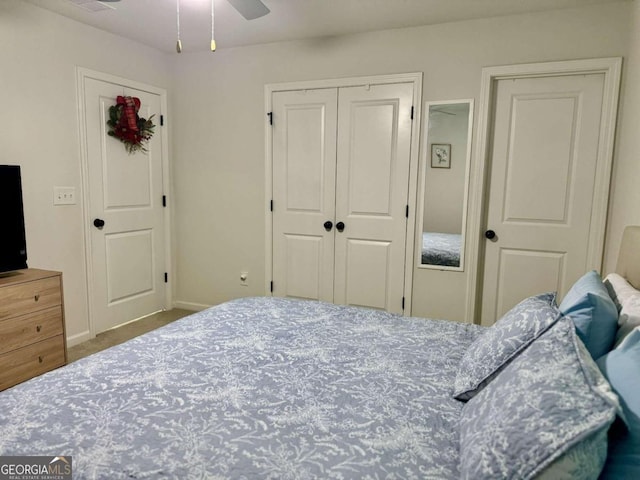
{"x":441,"y":249}
{"x":446,"y":167}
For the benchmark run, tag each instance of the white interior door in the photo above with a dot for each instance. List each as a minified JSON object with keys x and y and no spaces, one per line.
{"x":304,"y":175}
{"x":546,"y":137}
{"x":373,"y":158}
{"x":125,"y":191}
{"x":341,"y":159}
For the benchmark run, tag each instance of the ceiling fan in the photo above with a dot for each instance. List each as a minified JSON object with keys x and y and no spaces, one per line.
{"x":249,"y":9}
{"x":437,"y":110}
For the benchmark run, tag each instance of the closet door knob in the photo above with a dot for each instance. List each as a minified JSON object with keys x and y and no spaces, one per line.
{"x":490,"y":234}
{"x":328,"y":225}
{"x":340,"y":226}
{"x":98,"y":223}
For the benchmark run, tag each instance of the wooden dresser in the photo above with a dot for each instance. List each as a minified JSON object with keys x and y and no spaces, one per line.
{"x":32,"y":332}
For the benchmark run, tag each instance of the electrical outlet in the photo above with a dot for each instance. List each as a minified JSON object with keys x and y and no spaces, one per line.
{"x":243,"y":279}
{"x":64,"y":195}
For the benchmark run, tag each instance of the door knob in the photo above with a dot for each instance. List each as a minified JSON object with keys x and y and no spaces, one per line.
{"x":328,"y":225}
{"x":98,"y":223}
{"x":490,"y":234}
{"x":340,"y":226}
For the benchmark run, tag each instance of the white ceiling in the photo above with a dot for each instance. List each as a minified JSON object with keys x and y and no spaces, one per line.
{"x":153,"y":22}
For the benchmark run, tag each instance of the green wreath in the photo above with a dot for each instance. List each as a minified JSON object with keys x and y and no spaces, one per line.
{"x":127,"y":126}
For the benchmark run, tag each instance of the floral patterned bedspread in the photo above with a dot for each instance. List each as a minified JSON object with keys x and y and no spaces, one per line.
{"x":441,"y":249}
{"x":254,"y":388}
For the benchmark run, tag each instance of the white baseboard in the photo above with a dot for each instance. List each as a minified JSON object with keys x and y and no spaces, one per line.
{"x":194,"y":307}
{"x":78,"y":338}
{"x":86,"y":335}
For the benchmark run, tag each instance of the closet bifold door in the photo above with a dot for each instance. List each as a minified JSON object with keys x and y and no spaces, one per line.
{"x":373,"y":159}
{"x":341,"y":159}
{"x":304,"y":177}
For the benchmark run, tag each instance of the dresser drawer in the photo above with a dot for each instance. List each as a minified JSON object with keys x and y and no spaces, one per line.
{"x":28,"y":297}
{"x":18,"y":332}
{"x":27,"y":362}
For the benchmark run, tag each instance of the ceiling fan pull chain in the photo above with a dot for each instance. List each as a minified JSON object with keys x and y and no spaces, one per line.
{"x":213,"y":42}
{"x":178,"y":43}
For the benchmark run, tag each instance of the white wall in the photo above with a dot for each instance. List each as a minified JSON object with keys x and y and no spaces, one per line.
{"x":219,"y":127}
{"x":39,"y":129}
{"x":217,"y":123}
{"x":624,"y":204}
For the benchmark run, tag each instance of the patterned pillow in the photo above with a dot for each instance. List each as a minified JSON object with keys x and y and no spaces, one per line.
{"x":582,"y":461}
{"x":546,"y":413}
{"x":493,"y":350}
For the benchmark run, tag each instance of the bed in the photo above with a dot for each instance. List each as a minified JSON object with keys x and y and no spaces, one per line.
{"x":285,"y":389}
{"x":442,"y":249}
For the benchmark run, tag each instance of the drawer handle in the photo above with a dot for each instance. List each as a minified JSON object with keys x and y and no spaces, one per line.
{"x":36,"y":297}
{"x":38,"y":328}
{"x":40,"y":359}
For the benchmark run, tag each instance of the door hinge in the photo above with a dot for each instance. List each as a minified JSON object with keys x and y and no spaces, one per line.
{"x":270,"y":115}
{"x":271,"y":286}
{"x":403,"y":304}
{"x":161,"y":120}
{"x":271,"y":205}
{"x":406,"y":212}
{"x":166,"y":277}
{"x":164,"y":200}
{"x":411,"y":112}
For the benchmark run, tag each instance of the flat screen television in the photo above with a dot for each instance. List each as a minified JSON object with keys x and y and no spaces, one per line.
{"x":13,"y":244}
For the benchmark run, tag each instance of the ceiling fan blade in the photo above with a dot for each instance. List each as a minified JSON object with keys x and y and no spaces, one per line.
{"x":435,"y":110}
{"x":250,"y":9}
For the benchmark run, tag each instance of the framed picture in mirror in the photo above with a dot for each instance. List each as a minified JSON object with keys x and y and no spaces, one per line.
{"x":440,"y":155}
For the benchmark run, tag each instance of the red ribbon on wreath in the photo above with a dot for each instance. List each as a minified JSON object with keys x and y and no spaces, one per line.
{"x":125,"y":124}
{"x":130,"y":107}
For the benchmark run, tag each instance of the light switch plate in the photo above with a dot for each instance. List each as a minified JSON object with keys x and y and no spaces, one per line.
{"x":64,"y":195}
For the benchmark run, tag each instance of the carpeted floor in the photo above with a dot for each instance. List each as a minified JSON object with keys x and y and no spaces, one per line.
{"x":122,"y":334}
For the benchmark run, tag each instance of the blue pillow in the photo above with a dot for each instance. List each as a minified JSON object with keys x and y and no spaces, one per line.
{"x":593,"y":313}
{"x":622,"y":368}
{"x":546,"y":415}
{"x":495,"y":348}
